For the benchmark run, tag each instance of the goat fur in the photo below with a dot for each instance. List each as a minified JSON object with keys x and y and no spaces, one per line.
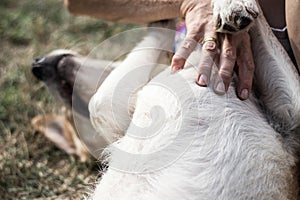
{"x":204,"y":146}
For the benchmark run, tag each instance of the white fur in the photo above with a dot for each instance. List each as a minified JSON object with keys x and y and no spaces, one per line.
{"x":201,"y":145}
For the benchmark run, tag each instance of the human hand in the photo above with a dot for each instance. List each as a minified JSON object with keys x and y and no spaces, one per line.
{"x":235,"y":49}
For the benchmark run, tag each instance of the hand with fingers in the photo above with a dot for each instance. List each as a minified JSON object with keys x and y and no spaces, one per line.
{"x":235,"y":49}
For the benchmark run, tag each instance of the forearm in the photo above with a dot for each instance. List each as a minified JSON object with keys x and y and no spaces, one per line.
{"x":127,"y":11}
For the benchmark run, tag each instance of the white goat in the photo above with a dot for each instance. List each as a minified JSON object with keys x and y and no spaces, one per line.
{"x":186,"y":142}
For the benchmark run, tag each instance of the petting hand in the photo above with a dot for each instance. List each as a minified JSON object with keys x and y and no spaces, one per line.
{"x":235,"y":49}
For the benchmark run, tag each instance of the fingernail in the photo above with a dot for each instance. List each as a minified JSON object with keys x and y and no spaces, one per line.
{"x":203,"y":80}
{"x":220,"y":89}
{"x":244,"y":94}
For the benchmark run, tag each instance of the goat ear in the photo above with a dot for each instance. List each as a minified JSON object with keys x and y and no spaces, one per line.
{"x":60,"y":131}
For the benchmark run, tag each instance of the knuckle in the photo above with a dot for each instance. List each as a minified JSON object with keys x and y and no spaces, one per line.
{"x":249,"y":65}
{"x":204,"y":67}
{"x":229,"y":53}
{"x":226,"y":75}
{"x":210,"y":46}
{"x":186,"y":48}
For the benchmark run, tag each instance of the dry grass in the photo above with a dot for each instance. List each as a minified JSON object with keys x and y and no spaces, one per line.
{"x":30,"y":166}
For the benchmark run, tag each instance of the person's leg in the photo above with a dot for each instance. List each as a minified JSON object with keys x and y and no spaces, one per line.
{"x":274,"y":12}
{"x":293,"y":25}
{"x":276,"y":18}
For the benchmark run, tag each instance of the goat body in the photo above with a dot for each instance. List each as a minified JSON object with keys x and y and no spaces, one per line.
{"x":186,"y":142}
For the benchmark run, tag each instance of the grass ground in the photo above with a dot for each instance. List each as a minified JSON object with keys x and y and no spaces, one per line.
{"x":31,"y":167}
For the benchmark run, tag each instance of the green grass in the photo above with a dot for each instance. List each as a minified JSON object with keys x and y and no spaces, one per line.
{"x":31,"y":167}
